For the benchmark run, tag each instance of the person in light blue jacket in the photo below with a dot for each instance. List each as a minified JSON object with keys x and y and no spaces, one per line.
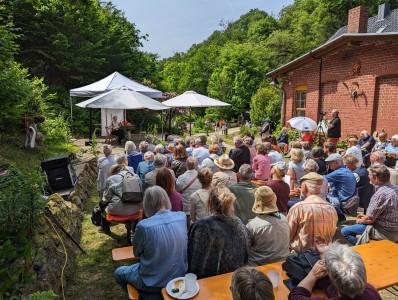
{"x":162,"y":232}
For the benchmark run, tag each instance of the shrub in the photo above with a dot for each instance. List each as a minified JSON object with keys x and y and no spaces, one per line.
{"x":20,"y":204}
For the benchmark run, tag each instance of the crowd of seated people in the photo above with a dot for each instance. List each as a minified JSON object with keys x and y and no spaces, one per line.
{"x":232,"y":210}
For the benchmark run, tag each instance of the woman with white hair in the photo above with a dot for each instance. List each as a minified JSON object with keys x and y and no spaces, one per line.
{"x":346,"y":271}
{"x":133,"y":157}
{"x":162,"y":232}
{"x":219,"y":243}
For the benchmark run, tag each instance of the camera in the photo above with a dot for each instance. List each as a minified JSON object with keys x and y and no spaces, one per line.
{"x":322,"y":113}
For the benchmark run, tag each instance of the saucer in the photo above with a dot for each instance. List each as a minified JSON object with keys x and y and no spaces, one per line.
{"x":178,"y":295}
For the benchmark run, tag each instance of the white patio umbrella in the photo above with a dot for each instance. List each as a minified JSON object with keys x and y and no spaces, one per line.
{"x":192,"y":99}
{"x":122,"y":98}
{"x":303,"y":123}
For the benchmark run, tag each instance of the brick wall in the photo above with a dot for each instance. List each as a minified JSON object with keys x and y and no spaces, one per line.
{"x":371,"y":69}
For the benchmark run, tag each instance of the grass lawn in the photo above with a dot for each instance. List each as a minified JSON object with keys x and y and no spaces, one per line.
{"x":93,"y":276}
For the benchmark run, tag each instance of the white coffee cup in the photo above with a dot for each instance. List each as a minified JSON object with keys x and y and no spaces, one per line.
{"x":190,"y":282}
{"x":273,"y":277}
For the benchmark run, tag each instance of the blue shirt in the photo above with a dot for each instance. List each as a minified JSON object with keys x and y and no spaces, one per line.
{"x":144,"y":168}
{"x":391,"y":148}
{"x":343,"y":183}
{"x":161,"y":243}
{"x":134,"y":158}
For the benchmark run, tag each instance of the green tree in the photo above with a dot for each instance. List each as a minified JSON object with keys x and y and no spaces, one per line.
{"x":266,"y":103}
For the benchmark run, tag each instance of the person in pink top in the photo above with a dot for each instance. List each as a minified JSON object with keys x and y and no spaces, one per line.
{"x":261,"y":163}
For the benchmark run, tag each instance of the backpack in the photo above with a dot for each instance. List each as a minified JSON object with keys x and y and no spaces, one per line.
{"x":96,"y":215}
{"x":131,"y":188}
{"x":297,"y":267}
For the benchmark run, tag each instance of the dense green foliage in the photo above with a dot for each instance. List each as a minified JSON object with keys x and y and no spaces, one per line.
{"x":231,"y":64}
{"x":50,"y":46}
{"x":20,"y":204}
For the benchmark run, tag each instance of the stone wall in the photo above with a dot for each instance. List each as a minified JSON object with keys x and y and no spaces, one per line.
{"x":50,"y":242}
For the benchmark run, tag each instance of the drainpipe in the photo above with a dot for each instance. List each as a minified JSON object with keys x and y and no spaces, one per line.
{"x":274,"y":83}
{"x":319,"y":86}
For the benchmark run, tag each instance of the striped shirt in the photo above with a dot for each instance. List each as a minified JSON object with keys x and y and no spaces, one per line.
{"x":384,"y":205}
{"x":308,"y":219}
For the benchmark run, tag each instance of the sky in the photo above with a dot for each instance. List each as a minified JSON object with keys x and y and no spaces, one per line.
{"x":175,"y":25}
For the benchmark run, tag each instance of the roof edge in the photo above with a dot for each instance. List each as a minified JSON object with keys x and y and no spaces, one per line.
{"x":329,"y":46}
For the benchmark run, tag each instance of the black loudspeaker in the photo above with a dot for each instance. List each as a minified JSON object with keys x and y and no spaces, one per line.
{"x":59,"y":172}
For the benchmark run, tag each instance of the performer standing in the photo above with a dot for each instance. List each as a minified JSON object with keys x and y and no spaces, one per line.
{"x":334,"y":127}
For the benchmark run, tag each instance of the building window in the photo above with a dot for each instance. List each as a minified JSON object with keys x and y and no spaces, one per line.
{"x":300,"y":103}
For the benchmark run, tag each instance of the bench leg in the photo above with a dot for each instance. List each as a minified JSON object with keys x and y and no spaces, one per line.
{"x":128,"y":226}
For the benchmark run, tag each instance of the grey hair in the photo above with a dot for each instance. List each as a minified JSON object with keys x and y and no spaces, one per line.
{"x":365,"y":133}
{"x":191,"y":163}
{"x":249,"y":283}
{"x":381,"y":156}
{"x":121,"y":159}
{"x":380,"y":171}
{"x":246,"y":172}
{"x":129,"y":146}
{"x":149,"y":138}
{"x":311,"y":165}
{"x":160,"y":160}
{"x":149,"y":155}
{"x":198,"y":141}
{"x":170,"y":138}
{"x":107,"y":150}
{"x":155,"y":198}
{"x":394,"y":137}
{"x":238,"y":140}
{"x":159,"y":148}
{"x":143,"y":146}
{"x":346,"y":270}
{"x":248,"y":140}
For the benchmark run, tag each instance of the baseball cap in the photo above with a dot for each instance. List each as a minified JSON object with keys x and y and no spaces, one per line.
{"x":333,"y":157}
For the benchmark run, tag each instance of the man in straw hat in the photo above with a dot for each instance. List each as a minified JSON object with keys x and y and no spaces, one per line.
{"x":243,"y":190}
{"x":269,"y":229}
{"x":226,"y":165}
{"x":312,"y":217}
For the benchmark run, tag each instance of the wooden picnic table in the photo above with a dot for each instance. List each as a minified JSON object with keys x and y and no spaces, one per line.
{"x":380,"y":258}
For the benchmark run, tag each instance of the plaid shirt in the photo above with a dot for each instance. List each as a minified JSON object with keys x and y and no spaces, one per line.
{"x":308,"y":219}
{"x":384,"y":205}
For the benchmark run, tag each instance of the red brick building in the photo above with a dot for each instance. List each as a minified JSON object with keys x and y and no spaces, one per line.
{"x":356,"y":71}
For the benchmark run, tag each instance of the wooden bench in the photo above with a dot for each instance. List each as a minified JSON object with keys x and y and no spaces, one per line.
{"x":124,"y":254}
{"x":132,"y":292}
{"x":128,"y":220}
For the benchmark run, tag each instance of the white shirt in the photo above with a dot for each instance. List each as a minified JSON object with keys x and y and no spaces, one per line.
{"x":200,"y":153}
{"x":274,"y":157}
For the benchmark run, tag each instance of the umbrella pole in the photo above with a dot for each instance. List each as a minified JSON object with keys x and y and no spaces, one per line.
{"x":90,"y":124}
{"x":125,"y":125}
{"x":170,"y":111}
{"x":161,"y":121}
{"x":190,"y":121}
{"x":71,"y":114}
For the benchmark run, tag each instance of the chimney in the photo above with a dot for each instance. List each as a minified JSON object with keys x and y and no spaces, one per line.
{"x":384,"y":10}
{"x":358,"y":20}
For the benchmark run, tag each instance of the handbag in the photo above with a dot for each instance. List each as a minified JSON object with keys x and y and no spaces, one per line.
{"x":350,"y":206}
{"x":297,"y":267}
{"x":96,"y":215}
